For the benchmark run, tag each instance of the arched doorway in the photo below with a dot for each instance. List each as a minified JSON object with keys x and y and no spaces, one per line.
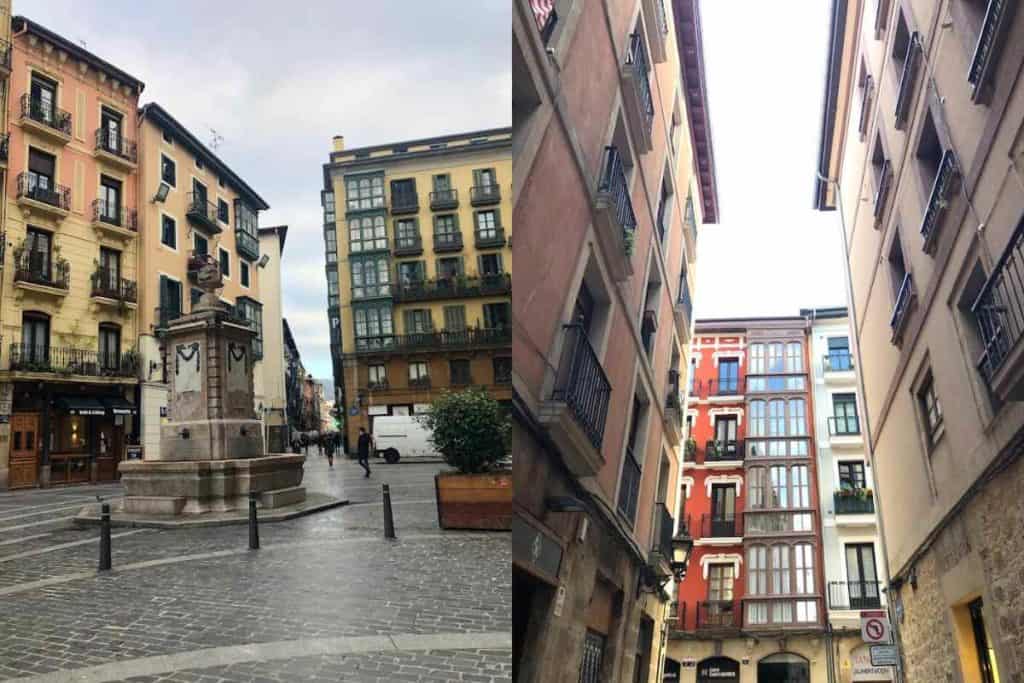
{"x":718,"y":669}
{"x":783,"y":667}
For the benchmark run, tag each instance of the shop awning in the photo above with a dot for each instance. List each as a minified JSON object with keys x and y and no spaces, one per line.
{"x":118,"y":406}
{"x":81,"y":405}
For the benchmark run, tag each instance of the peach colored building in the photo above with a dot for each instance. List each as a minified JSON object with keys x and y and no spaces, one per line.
{"x":613,"y":172}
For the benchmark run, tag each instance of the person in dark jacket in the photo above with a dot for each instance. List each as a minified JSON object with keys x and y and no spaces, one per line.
{"x":328,"y":442}
{"x":364,"y":446}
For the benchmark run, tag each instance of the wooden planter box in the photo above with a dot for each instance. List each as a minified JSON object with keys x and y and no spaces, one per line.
{"x":474,"y":501}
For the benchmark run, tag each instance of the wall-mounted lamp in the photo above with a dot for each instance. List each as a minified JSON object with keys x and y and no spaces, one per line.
{"x":264,"y":260}
{"x":162,"y":192}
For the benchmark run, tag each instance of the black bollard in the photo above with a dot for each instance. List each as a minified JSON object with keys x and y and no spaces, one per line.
{"x":105,"y":537}
{"x":389,"y":519}
{"x":254,"y":530}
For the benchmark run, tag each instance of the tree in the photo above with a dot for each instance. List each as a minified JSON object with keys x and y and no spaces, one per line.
{"x":469,"y":429}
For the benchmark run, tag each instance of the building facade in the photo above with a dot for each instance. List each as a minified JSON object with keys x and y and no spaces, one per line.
{"x":614,"y":171}
{"x":294,"y":377}
{"x":271,"y":400}
{"x":418,"y":239}
{"x":69,"y":293}
{"x":921,"y":151}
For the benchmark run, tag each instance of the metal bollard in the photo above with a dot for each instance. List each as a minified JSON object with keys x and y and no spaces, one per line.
{"x":389,"y":519}
{"x":105,"y":537}
{"x":254,"y":530}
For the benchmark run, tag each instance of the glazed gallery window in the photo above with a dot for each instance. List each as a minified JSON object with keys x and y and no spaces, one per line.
{"x":367,"y":233}
{"x":778,"y":417}
{"x":775,"y":383}
{"x":778,"y":487}
{"x":364,"y":193}
{"x":794,"y":357}
{"x":331,"y":244}
{"x":372,"y":326}
{"x":775,"y":361}
{"x":782,"y":570}
{"x":756,"y":366}
{"x":776,"y":448}
{"x":370,"y":277}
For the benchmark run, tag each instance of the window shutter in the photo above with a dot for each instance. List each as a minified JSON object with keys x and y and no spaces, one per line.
{"x":476,"y":176}
{"x":408,"y":321}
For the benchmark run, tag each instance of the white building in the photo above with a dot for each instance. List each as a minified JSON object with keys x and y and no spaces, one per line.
{"x":270,"y":395}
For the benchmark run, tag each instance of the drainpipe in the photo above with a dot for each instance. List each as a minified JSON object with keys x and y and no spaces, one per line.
{"x":869,"y":446}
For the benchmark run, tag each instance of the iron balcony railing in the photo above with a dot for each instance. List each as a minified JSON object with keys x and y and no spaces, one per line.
{"x":719,"y":387}
{"x":613,"y":184}
{"x":453,"y":288}
{"x":116,"y":144}
{"x":991,"y":39}
{"x":201,"y":210}
{"x":938,"y":200}
{"x":112,"y":214}
{"x":854,"y":594}
{"x":717,"y":614}
{"x":408,"y":245}
{"x":661,"y":538}
{"x":581,"y":383}
{"x":5,"y":147}
{"x":853,"y":502}
{"x":882,"y":193}
{"x":485,"y":194}
{"x":907,"y":77}
{"x":30,"y":187}
{"x":844,"y":425}
{"x":247,"y":245}
{"x":490,"y":238}
{"x":438,"y":339}
{"x":999,"y":308}
{"x":441,"y":200}
{"x":636,"y":57}
{"x":837,"y":361}
{"x":71,"y":361}
{"x":405,"y":202}
{"x":107,"y":283}
{"x":447,"y":241}
{"x":902,"y":307}
{"x":629,"y":488}
{"x":720,"y":526}
{"x":35,"y":110}
{"x":39,"y":268}
{"x":721,"y":450}
{"x":865,"y":106}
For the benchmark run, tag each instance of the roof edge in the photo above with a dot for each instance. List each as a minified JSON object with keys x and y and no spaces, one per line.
{"x":837,"y":29}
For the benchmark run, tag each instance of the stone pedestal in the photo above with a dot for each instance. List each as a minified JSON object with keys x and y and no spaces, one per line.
{"x":211,"y":448}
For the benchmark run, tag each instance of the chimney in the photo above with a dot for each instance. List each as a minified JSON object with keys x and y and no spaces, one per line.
{"x":339,"y":143}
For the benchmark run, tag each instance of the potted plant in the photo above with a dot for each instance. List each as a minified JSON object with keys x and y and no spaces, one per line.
{"x":471,"y":432}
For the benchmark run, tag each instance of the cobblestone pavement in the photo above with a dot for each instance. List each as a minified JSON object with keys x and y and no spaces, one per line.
{"x":325,"y":598}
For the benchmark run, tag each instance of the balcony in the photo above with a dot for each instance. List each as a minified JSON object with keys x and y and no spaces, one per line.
{"x":657,"y":29}
{"x":116,"y":149}
{"x":854,"y":595}
{"x":197,"y":262}
{"x":493,"y":238}
{"x":616,"y":222}
{"x":404,"y":202}
{"x":906,"y":88}
{"x":718,"y":615}
{"x":112,"y":220}
{"x":453,"y":288}
{"x":661,"y":539}
{"x":440,"y":340}
{"x":482,"y":195}
{"x":444,"y":200}
{"x":721,"y":527}
{"x":39,"y":272}
{"x":844,"y":430}
{"x":999,"y":311}
{"x":247,"y":246}
{"x":408,"y":245}
{"x":202,"y":213}
{"x":576,"y":412}
{"x":905,"y":300}
{"x":5,"y":149}
{"x":854,"y":502}
{"x":838,"y":367}
{"x":772,"y":612}
{"x":71,"y":361}
{"x":991,"y":40}
{"x":636,"y":93}
{"x":778,"y":522}
{"x":865,"y":107}
{"x":48,"y":122}
{"x":109,"y":288}
{"x":445,"y":242}
{"x":37,"y":195}
{"x":882,"y":193}
{"x":720,"y":391}
{"x":730,"y":450}
{"x":938,"y":200}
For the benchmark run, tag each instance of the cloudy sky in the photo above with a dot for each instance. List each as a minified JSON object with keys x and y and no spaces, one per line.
{"x":279,"y":79}
{"x":770,"y":254}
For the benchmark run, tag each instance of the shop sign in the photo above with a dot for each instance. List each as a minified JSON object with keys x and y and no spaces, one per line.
{"x":718,"y":669}
{"x":133,"y":452}
{"x":377,"y":410}
{"x":862,"y":668}
{"x":672,"y":671}
{"x":534,"y":548}
{"x":883,"y":655}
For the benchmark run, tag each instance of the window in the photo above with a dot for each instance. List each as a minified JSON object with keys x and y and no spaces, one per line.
{"x":364,"y":193}
{"x":37,"y":251}
{"x":929,"y":153}
{"x":801,"y":486}
{"x":367,"y":233}
{"x":803,"y":561}
{"x":35,"y":337}
{"x":407,"y":233}
{"x":446,"y":229}
{"x":794,"y":357}
{"x":199,"y":202}
{"x":167,"y":137}
{"x":490,"y":264}
{"x":168,"y":232}
{"x":720,"y":578}
{"x":371,"y":325}
{"x":331,"y":244}
{"x":897,"y":266}
{"x":449,"y":268}
{"x":487,"y":224}
{"x":839,"y":358}
{"x":780,"y":570}
{"x":757,"y":570}
{"x":370,"y":277}
{"x":844,"y":412}
{"x":757,"y":419}
{"x":243,"y":273}
{"x":222,"y":211}
{"x":459,"y":371}
{"x":411,"y":271}
{"x":502,"y":370}
{"x":484,"y":177}
{"x":756,"y":483}
{"x":220,"y":181}
{"x":931,"y":410}
{"x":797,"y":417}
{"x":983,"y":649}
{"x":418,"y":372}
{"x":378,"y":376}
{"x":199,"y":164}
{"x":109,"y":346}
{"x":109,"y":272}
{"x":252,"y":311}
{"x":777,"y":418}
{"x":41,"y":174}
{"x":168,"y":170}
{"x":418,"y":321}
{"x":728,"y":375}
{"x":170,"y":300}
{"x":497,"y":316}
{"x":861,"y":577}
{"x":775,"y":363}
{"x":778,"y":495}
{"x":725,"y":433}
{"x":756,"y":359}
{"x":200,"y":244}
{"x":664,"y":218}
{"x":43,"y":99}
{"x":455,"y":318}
{"x":629,"y":480}
{"x":851,"y":475}
{"x":442,"y":182}
{"x":900,"y":45}
{"x":225,"y":262}
{"x":403,"y":192}
{"x":333,"y":293}
{"x":109,"y":204}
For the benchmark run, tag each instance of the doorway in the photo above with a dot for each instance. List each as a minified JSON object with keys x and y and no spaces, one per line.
{"x":783,"y":667}
{"x":863,"y":580}
{"x":24,"y":465}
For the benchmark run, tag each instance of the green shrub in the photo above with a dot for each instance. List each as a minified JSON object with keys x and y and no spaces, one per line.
{"x":469,"y":429}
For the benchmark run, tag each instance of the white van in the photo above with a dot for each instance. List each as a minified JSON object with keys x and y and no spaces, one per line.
{"x":402,"y":437}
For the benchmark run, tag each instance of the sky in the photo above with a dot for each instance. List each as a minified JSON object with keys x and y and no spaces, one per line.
{"x":277,"y":80}
{"x":770,"y":253}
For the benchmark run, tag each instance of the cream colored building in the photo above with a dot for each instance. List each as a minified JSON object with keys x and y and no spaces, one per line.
{"x":922,"y":150}
{"x":270,"y":394}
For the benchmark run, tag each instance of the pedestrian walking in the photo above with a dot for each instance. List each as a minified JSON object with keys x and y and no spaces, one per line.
{"x":364,"y":446}
{"x":296,"y":447}
{"x":329,"y":449}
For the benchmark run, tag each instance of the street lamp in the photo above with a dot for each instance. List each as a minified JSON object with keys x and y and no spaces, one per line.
{"x":682,"y":546}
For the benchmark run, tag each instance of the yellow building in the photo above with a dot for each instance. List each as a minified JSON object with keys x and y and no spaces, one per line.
{"x":193,"y":207}
{"x":6,"y":389}
{"x":418,"y":245}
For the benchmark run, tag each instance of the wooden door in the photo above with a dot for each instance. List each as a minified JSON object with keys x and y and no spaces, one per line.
{"x":23,"y":469}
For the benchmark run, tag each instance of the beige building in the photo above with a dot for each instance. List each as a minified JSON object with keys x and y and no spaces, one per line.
{"x":921,"y":152}
{"x":271,"y":402}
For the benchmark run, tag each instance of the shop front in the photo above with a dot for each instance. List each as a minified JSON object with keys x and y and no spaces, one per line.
{"x":69,"y":434}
